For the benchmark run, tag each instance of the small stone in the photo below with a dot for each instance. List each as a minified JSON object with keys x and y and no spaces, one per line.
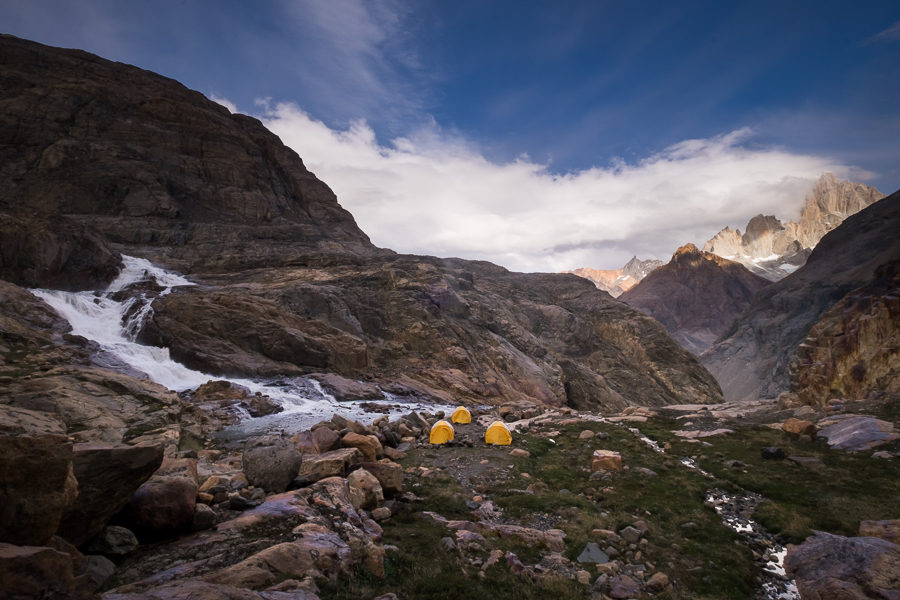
{"x":114,"y":540}
{"x":583,"y":577}
{"x":772,"y":453}
{"x":606,"y":460}
{"x":204,"y":517}
{"x":381,"y":513}
{"x":623,"y":587}
{"x":630,"y":534}
{"x":587,"y":434}
{"x":519,"y":453}
{"x":592,"y":554}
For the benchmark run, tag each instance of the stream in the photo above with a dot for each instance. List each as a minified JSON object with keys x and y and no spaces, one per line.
{"x":736,"y":512}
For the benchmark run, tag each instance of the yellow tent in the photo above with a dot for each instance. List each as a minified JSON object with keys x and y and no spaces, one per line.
{"x":441,"y":433}
{"x":461,"y":415}
{"x":498,"y":434}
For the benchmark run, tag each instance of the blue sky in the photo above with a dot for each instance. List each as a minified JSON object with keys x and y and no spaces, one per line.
{"x":585,"y":101}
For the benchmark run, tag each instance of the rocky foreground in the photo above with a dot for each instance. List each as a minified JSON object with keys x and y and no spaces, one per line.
{"x":682,"y":502}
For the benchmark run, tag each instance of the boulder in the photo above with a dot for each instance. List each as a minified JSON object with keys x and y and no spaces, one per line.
{"x":798,"y":427}
{"x":388,"y":473}
{"x":368,"y":444}
{"x":317,"y":440}
{"x":328,"y":464}
{"x":113,"y":540}
{"x":29,"y":572}
{"x":271,"y":462}
{"x":108,"y":475}
{"x":162,"y":507}
{"x":606,"y":460}
{"x":37,"y":483}
{"x":887,"y":530}
{"x":827,"y":566}
{"x":365,"y":490}
{"x":856,"y":432}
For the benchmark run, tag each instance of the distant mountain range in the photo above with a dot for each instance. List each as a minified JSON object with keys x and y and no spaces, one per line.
{"x":773,"y":249}
{"x":617,"y":281}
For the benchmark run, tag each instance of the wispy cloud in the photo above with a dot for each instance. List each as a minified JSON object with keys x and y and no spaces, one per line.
{"x":435,"y":193}
{"x":357,"y":57}
{"x":891,"y":34}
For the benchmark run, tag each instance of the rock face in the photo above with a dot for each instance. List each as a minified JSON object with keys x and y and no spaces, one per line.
{"x":618,"y":281}
{"x":147,"y":162}
{"x":773,"y":344}
{"x":290,"y":284}
{"x":697,"y":296}
{"x":773,"y":249}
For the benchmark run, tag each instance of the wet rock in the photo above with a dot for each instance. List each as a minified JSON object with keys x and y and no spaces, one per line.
{"x":344,"y":389}
{"x":772,"y":453}
{"x":605,"y":461}
{"x":31,"y":508}
{"x":108,"y":476}
{"x":114,"y":541}
{"x":329,"y":464}
{"x":260,"y":406}
{"x":831,"y":566}
{"x":342,"y":422}
{"x":856,"y":432}
{"x":592,"y":554}
{"x":271,"y":462}
{"x":367,"y":444}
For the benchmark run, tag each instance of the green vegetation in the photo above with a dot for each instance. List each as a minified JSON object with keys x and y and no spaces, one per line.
{"x":834,"y":496}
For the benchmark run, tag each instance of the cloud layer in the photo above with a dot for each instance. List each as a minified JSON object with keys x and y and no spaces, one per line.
{"x":434,"y":193}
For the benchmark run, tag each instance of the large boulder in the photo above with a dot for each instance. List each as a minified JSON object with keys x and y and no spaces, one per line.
{"x":329,"y":464}
{"x":856,"y":432}
{"x":829,"y":567}
{"x":388,"y":473}
{"x":365,"y":489}
{"x":271,"y":462}
{"x":108,"y":475}
{"x":162,"y":507}
{"x":368,"y":444}
{"x":37,"y":484}
{"x":29,"y":572}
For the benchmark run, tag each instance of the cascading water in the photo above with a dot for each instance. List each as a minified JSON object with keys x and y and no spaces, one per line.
{"x":114,"y":323}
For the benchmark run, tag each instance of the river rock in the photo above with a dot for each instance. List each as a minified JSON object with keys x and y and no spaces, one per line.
{"x":32,"y":506}
{"x":108,"y":475}
{"x":271,"y":462}
{"x":830,"y":566}
{"x":317,"y":440}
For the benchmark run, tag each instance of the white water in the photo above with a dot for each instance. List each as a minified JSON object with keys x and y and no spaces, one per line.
{"x":98,"y":317}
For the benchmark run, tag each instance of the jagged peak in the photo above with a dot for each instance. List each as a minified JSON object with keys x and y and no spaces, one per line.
{"x":688,"y":248}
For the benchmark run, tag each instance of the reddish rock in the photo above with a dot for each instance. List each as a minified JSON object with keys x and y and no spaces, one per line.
{"x":798,"y":427}
{"x":163,"y":506}
{"x":37,"y":484}
{"x":368,"y":444}
{"x":365,"y":490}
{"x":30,"y":572}
{"x":606,"y":460}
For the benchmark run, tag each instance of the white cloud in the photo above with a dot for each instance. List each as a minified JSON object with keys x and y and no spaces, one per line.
{"x":232,"y":108}
{"x":433,"y":193}
{"x":891,"y":34}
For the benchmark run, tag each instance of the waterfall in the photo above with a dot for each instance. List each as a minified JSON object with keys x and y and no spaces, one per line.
{"x":114,"y":324}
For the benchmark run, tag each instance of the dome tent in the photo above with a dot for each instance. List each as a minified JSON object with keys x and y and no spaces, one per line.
{"x":461,"y":415}
{"x":441,"y":433}
{"x":498,"y":433}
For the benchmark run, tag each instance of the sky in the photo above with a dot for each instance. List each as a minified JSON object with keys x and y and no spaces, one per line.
{"x":539,"y":135}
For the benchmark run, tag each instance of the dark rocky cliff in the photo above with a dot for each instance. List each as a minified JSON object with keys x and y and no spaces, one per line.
{"x":107,"y":158}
